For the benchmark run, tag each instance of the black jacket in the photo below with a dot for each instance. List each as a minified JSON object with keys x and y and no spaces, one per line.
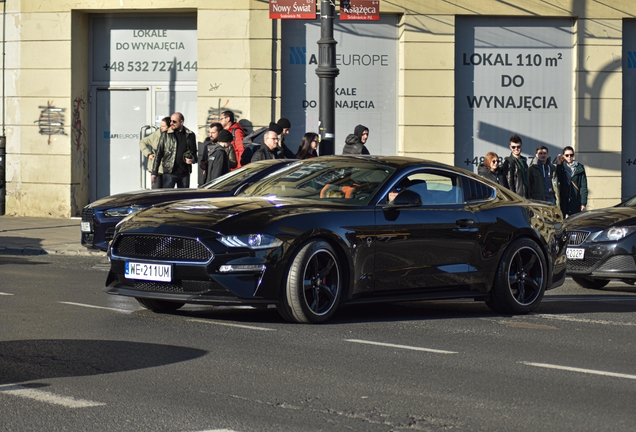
{"x":215,"y":161}
{"x":514,"y":175}
{"x":537,"y":173}
{"x":354,"y":146}
{"x":495,"y":176}
{"x":264,"y":153}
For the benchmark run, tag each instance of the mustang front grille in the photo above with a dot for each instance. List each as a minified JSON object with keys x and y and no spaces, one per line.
{"x":161,"y":248}
{"x":576,"y":238}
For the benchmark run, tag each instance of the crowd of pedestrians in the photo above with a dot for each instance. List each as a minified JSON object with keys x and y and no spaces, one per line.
{"x":562,"y":183}
{"x":171,"y":151}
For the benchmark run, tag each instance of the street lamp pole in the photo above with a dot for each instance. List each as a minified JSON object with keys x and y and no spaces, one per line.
{"x":327,"y":73}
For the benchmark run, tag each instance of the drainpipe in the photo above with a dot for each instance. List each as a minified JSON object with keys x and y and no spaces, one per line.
{"x":3,"y":138}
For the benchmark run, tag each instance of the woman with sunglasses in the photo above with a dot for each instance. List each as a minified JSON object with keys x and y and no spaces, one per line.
{"x":572,"y":183}
{"x":490,"y":169}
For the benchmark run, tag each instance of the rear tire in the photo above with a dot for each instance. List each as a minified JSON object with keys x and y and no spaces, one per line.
{"x":521,"y":279}
{"x":314,"y":284}
{"x":590,"y":283}
{"x":159,"y":305}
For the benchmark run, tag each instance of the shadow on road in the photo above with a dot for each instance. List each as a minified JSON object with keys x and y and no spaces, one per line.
{"x":29,"y":360}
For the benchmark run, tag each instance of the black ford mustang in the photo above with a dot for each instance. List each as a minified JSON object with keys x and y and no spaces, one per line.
{"x":333,"y":230}
{"x":100,"y":217}
{"x":602,"y":245}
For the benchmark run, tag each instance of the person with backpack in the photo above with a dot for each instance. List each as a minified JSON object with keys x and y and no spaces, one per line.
{"x":228,"y":123}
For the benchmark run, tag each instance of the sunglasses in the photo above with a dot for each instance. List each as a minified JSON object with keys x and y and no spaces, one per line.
{"x":568,"y":155}
{"x":173,"y":121}
{"x":515,"y":147}
{"x":542,"y":153}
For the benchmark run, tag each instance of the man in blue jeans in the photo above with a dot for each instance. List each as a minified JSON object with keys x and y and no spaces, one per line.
{"x":176,"y":152}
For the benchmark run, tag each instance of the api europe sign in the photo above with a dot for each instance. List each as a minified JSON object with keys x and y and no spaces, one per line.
{"x":359,"y":10}
{"x":292,"y":9}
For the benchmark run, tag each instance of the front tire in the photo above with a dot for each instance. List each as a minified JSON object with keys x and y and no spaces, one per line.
{"x":314,"y":284}
{"x":590,"y":283}
{"x":159,"y":305}
{"x":521,"y":279}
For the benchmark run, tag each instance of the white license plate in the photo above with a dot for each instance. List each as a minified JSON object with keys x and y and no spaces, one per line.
{"x":148,"y":271}
{"x":85,"y":226}
{"x":574,"y":254}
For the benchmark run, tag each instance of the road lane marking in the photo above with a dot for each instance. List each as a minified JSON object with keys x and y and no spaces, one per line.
{"x":44,"y":396}
{"x":7,"y":294}
{"x":586,"y":371}
{"x":97,"y":307}
{"x":230,"y":324}
{"x":583,"y":320}
{"x":414,"y":348}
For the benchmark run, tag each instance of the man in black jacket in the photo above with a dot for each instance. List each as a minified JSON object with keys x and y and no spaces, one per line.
{"x":215,"y":161}
{"x":515,"y":168}
{"x":270,"y":149}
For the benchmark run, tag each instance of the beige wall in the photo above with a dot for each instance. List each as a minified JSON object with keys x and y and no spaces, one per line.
{"x":47,"y":49}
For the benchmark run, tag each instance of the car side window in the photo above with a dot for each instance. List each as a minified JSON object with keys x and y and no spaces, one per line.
{"x":476,"y":191}
{"x":433,"y":187}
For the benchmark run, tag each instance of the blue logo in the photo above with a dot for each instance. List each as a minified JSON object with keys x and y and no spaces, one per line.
{"x":106,"y":134}
{"x":297,"y":55}
{"x":631,"y":59}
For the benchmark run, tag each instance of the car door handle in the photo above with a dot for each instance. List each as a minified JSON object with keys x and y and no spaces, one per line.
{"x":465,"y":222}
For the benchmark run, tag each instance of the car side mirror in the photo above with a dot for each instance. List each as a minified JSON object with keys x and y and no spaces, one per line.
{"x":406,"y":198}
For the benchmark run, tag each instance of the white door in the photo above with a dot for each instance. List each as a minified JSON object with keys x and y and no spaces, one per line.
{"x":120,"y":114}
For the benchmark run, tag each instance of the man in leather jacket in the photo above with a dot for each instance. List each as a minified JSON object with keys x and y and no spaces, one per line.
{"x":176,"y":152}
{"x":515,"y":168}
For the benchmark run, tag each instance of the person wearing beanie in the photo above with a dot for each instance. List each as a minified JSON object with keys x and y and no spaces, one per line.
{"x":285,"y":126}
{"x":354,"y":143}
{"x":215,"y":160}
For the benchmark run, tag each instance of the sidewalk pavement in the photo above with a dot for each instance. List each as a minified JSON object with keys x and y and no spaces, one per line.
{"x":35,"y":236}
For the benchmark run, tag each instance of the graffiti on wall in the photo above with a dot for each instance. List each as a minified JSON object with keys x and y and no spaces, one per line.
{"x":214,"y":113}
{"x":77,"y":129}
{"x":51,"y":121}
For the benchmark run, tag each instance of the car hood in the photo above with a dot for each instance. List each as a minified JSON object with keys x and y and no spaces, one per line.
{"x":146,"y":198}
{"x":602,"y":218}
{"x":219,"y":215}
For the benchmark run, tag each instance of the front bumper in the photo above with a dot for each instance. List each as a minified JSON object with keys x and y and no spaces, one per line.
{"x":603,"y":261}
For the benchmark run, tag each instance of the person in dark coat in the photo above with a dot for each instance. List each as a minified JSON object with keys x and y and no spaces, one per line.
{"x":215,"y":161}
{"x":490,"y":169}
{"x":269,"y":149}
{"x":542,"y":177}
{"x":308,"y":146}
{"x":515,"y":168}
{"x":354,"y":143}
{"x":572,"y":184}
{"x":285,"y":125}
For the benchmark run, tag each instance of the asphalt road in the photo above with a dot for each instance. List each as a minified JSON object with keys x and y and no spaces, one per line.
{"x":73,"y":358}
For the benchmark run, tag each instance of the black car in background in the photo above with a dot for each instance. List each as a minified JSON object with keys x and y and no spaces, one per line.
{"x":100,"y":217}
{"x":331,"y":230}
{"x":602,"y":245}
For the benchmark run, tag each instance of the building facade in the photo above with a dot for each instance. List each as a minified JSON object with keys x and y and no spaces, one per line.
{"x":448,"y":81}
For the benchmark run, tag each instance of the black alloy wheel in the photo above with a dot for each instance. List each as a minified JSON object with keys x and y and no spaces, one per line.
{"x":521,"y":279}
{"x":314,"y":284}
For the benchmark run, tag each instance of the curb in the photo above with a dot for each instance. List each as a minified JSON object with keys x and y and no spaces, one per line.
{"x":39,"y":251}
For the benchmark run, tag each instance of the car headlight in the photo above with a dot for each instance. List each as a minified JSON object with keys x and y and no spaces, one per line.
{"x":614,"y":234}
{"x":252,"y":241}
{"x":121,"y":211}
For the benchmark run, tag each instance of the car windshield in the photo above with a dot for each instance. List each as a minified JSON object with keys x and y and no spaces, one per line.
{"x":629,"y":203}
{"x":347,"y":181}
{"x":235,"y":178}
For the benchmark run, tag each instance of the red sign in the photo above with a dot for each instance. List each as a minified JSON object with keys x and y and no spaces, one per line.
{"x":292,"y":9}
{"x":359,"y":10}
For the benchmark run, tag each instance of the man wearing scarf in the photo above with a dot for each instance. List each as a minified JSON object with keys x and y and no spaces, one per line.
{"x":572,"y":184}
